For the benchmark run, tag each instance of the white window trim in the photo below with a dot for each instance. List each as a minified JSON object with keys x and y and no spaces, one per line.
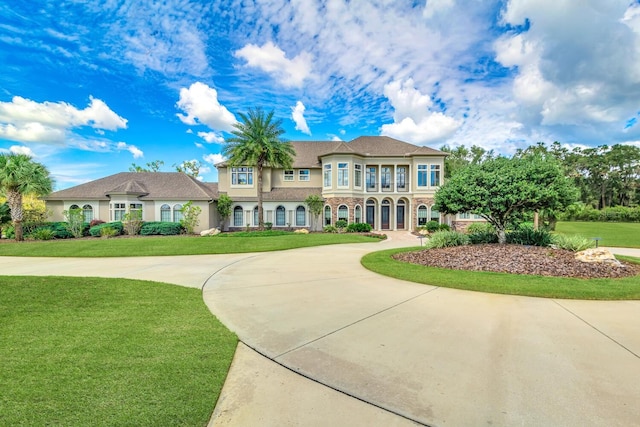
{"x":289,"y":177}
{"x":304,"y":177}
{"x":426,"y":172}
{"x":344,"y":173}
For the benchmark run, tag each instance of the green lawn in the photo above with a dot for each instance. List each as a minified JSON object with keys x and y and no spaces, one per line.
{"x":175,"y":245}
{"x":502,"y":283}
{"x":92,"y":352}
{"x":617,"y":234}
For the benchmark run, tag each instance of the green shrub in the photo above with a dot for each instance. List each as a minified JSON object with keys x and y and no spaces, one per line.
{"x":97,"y":230}
{"x":529,"y":236}
{"x":330,"y":229}
{"x":483,"y":237}
{"x":268,"y":225}
{"x":43,"y":233}
{"x":161,"y":228}
{"x":480,"y":227}
{"x":108,"y":231}
{"x":581,"y":212}
{"x":359,"y":227}
{"x":444,"y":227}
{"x":264,"y":233}
{"x":445,"y":239}
{"x":432,"y":226}
{"x":574,"y":243}
{"x":75,"y":222}
{"x":341,"y":223}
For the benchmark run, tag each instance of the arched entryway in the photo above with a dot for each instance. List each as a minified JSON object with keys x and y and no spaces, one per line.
{"x":371,"y":213}
{"x":385,"y":214}
{"x":401,"y":215}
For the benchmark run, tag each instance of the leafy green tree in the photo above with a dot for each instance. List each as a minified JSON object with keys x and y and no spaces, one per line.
{"x":224,"y":208}
{"x":20,"y":175}
{"x":501,"y":189}
{"x":461,"y":157}
{"x":5,"y":216}
{"x":153,"y":166}
{"x":190,"y":217}
{"x":256,"y":142}
{"x":190,"y":167}
{"x":315,"y":204}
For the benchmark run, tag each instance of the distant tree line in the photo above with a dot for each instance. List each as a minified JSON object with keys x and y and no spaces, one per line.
{"x":605,"y":176}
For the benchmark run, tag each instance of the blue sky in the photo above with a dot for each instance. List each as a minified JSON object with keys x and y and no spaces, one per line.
{"x":88,"y":88}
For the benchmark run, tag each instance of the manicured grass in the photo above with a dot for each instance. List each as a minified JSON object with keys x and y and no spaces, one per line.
{"x":617,"y":234}
{"x":175,"y":245}
{"x":91,"y":352}
{"x":502,"y":283}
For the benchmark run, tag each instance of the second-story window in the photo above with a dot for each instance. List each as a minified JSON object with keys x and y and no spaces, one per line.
{"x":327,"y":175}
{"x":385,"y":178}
{"x":401,"y":178}
{"x":288,"y":175}
{"x":303,"y":175}
{"x":343,"y":174}
{"x":435,"y":175}
{"x":371,"y":178}
{"x":242,"y":176}
{"x":422,"y":175}
{"x":357,"y":175}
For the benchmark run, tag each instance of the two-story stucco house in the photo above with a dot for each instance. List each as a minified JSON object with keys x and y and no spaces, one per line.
{"x":387,"y":183}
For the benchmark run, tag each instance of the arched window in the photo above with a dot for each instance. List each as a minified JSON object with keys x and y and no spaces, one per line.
{"x":301,"y":217}
{"x":74,"y":207}
{"x":238,"y":216}
{"x":256,"y":220}
{"x":87,"y":212}
{"x":281,"y":216}
{"x":422,"y":215}
{"x":177,"y":212}
{"x":165,"y":213}
{"x":343,"y":213}
{"x":327,"y":215}
{"x":358,"y":214}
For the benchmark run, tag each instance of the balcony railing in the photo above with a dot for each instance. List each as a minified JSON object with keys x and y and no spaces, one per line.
{"x":387,"y":187}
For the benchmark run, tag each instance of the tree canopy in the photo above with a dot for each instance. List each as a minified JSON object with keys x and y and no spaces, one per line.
{"x":256,"y":142}
{"x":499,"y":189}
{"x":20,"y":175}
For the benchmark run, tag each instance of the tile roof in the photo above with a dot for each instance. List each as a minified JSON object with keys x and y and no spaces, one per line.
{"x":146,"y":185}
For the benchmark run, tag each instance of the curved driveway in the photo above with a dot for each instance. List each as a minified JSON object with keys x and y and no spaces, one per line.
{"x":394,"y":353}
{"x":436,"y":356}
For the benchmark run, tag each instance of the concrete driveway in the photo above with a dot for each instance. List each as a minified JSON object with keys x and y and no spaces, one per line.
{"x":326,"y":342}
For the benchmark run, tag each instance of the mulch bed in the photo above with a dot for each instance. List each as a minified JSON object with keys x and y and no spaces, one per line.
{"x":517,"y":259}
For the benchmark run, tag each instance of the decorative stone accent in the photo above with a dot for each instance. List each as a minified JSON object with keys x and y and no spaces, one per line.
{"x":350,"y":202}
{"x":210,"y":232}
{"x":302,"y":231}
{"x":597,"y":255}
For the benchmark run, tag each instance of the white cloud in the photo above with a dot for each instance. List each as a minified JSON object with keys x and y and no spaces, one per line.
{"x":414,"y":118}
{"x":21,"y":149}
{"x":434,"y":7}
{"x":298,"y":117}
{"x":214,"y":158}
{"x":137,"y":153}
{"x":272,"y":60}
{"x":25,"y":120}
{"x":201,"y":105}
{"x":211,"y":137}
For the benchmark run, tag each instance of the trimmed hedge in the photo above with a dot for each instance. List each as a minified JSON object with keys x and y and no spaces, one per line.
{"x":580,"y":212}
{"x":96,"y":230}
{"x":358,"y":227}
{"x":529,"y":236}
{"x":161,"y":228}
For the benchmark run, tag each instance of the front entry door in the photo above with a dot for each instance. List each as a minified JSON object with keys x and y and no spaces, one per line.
{"x":385,"y":217}
{"x":371,"y":218}
{"x":400,"y":216}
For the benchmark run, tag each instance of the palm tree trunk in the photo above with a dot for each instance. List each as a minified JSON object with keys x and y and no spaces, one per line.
{"x":260,"y":211}
{"x":14,"y":198}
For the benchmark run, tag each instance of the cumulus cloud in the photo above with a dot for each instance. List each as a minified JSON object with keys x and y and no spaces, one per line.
{"x":272,"y":60}
{"x":24,"y":120}
{"x":433,"y":7}
{"x":211,"y":137}
{"x":21,"y":149}
{"x":585,"y":74}
{"x":414,"y":118}
{"x":137,"y":153}
{"x":214,"y":158}
{"x":201,"y":105}
{"x":297,"y":115}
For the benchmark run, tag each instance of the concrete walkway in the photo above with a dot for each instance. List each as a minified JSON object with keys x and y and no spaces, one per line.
{"x":327,"y":342}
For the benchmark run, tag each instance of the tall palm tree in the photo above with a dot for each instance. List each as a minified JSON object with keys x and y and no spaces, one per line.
{"x":20,"y":175}
{"x":256,"y":142}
